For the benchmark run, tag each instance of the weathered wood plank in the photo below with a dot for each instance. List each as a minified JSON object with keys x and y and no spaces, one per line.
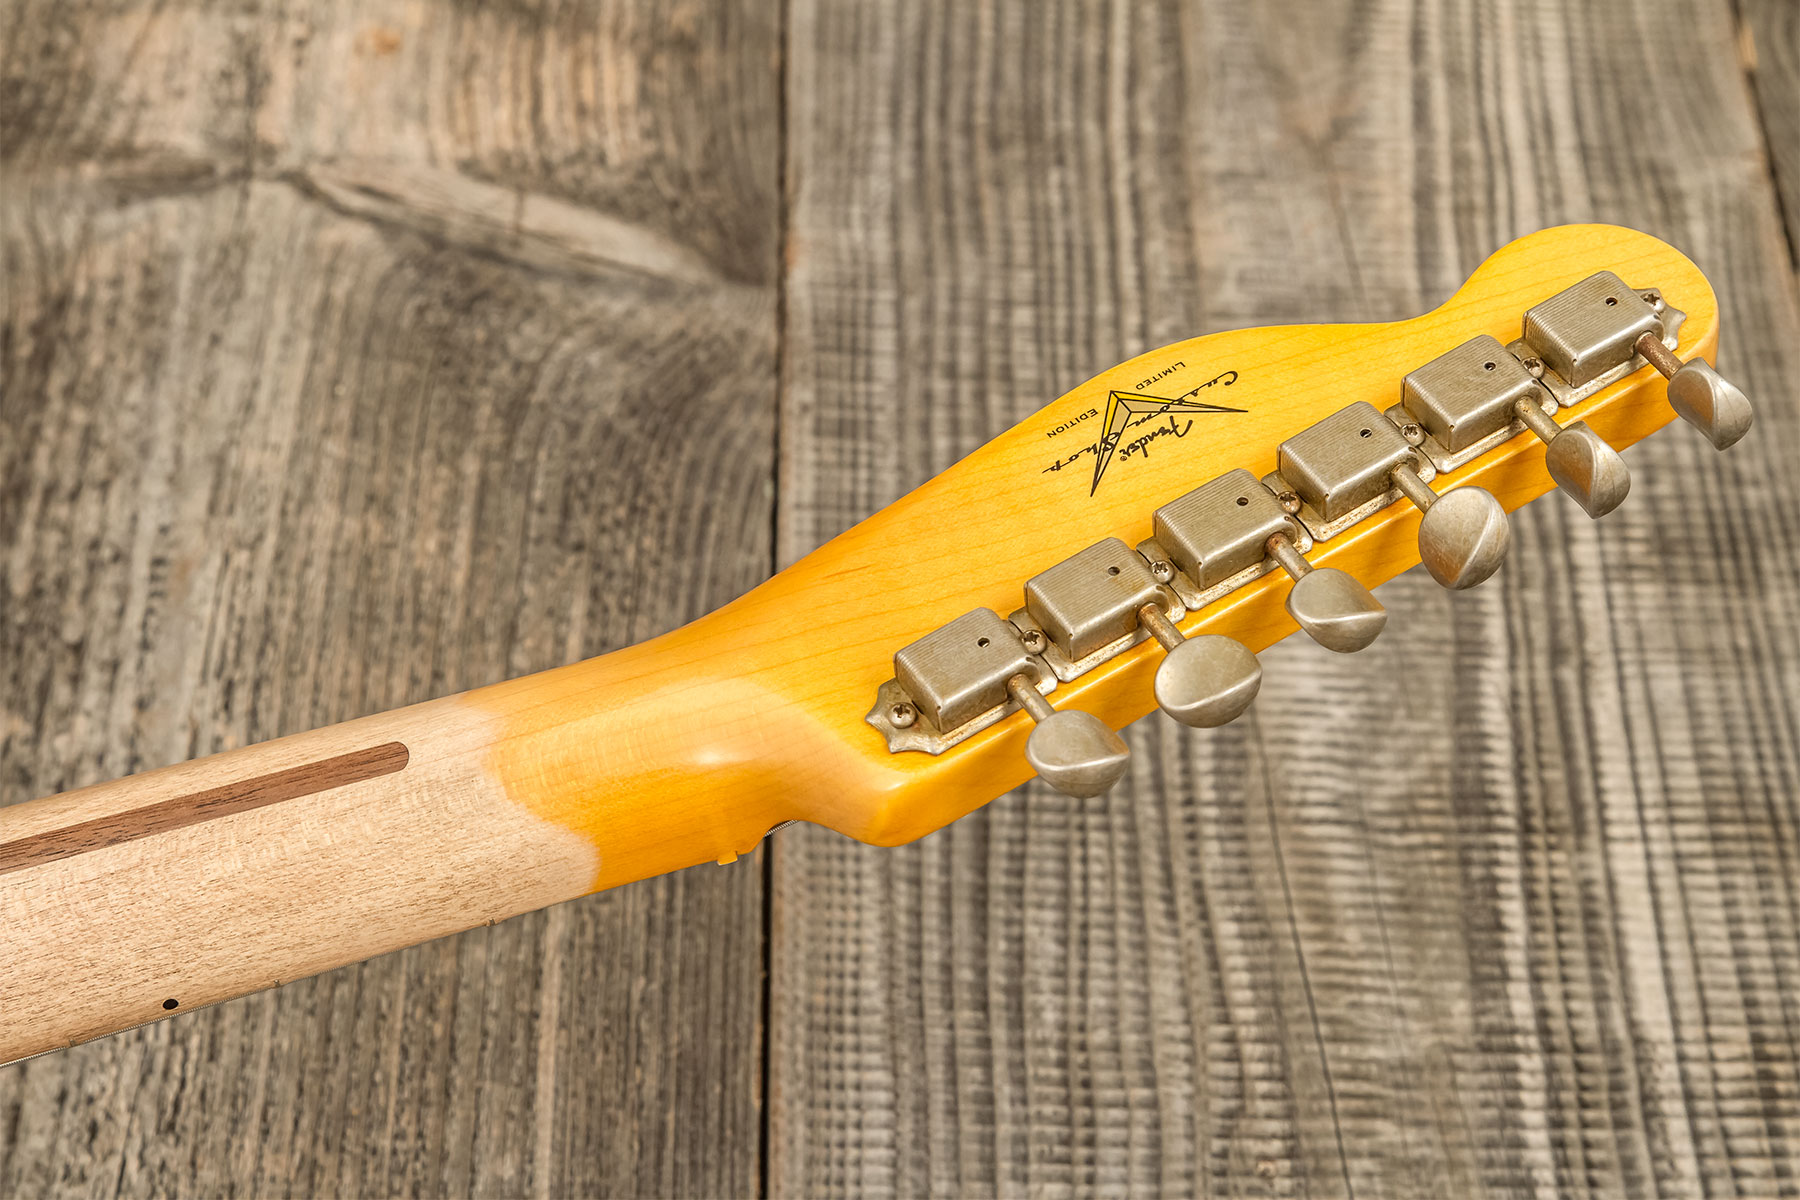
{"x":1771,"y":38}
{"x":352,"y":355}
{"x":1544,"y":938}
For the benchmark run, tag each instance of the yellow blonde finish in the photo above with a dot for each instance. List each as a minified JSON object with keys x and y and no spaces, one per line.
{"x":692,"y":746}
{"x":689,"y":748}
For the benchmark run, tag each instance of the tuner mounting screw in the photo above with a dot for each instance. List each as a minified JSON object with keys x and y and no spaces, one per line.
{"x":1653,"y":298}
{"x":1290,"y":502}
{"x":1412,"y":433}
{"x":1034,"y":641}
{"x":901,"y":716}
{"x":1161,"y":571}
{"x":1533,"y":366}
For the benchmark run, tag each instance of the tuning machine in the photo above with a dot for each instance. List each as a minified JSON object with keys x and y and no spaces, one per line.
{"x":1203,"y":682}
{"x":1108,"y":598}
{"x":1232,"y":530}
{"x":1356,"y":462}
{"x":1699,"y":395}
{"x":977,"y":670}
{"x":1072,"y":751}
{"x":1601,"y":329}
{"x":1476,"y":395}
{"x":1332,"y":606}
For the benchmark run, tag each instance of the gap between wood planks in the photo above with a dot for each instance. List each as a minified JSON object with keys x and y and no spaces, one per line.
{"x":783,"y":220}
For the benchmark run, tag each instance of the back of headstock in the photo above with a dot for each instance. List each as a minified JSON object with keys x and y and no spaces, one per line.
{"x":1135,"y":540}
{"x":1132,"y":544}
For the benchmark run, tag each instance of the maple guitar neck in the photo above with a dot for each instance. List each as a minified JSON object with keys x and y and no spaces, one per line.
{"x":130,"y":900}
{"x":127,"y":901}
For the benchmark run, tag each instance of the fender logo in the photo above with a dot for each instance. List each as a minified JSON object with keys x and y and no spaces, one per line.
{"x":1123,"y":434}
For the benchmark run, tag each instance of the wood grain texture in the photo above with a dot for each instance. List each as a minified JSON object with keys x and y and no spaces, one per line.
{"x":1503,"y":905}
{"x":338,"y":353}
{"x":191,"y":808}
{"x":1770,"y":36}
{"x":197,"y":881}
{"x":352,"y":355}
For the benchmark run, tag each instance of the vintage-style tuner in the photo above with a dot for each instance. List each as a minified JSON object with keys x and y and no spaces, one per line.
{"x":1331,"y":477}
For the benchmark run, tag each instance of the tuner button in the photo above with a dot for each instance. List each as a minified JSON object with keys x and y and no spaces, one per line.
{"x":1075,"y":753}
{"x":1464,"y":535}
{"x":1588,"y":469}
{"x":1579,"y":460}
{"x":1072,"y":751}
{"x":1699,"y":395}
{"x":1710,"y":403}
{"x":1334,"y":609}
{"x":1204,"y":682}
{"x":1208,"y":681}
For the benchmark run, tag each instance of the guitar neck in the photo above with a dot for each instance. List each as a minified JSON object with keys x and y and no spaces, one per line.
{"x":128,"y":901}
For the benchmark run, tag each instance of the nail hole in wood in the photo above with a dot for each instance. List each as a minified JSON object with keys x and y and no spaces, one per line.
{"x":171,"y":1004}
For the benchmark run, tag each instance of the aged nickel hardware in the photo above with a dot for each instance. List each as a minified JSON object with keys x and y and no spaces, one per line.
{"x":963,"y":677}
{"x":1106,"y":599}
{"x":1464,"y":535}
{"x":1087,"y":605}
{"x":1222,"y":535}
{"x":1342,"y":468}
{"x":1072,"y":751}
{"x":1355,"y":462}
{"x":1579,"y":459}
{"x":1477,"y":395}
{"x":1332,"y":606}
{"x":1103,"y":601}
{"x":1463,"y":399}
{"x":1588,"y":333}
{"x":1601,"y":330}
{"x":1699,"y":395}
{"x":1470,"y":399}
{"x":1217,"y":536}
{"x":952,"y":683}
{"x":1203,"y":682}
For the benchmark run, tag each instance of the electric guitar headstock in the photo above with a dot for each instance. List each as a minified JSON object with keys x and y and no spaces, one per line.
{"x":1131,"y":545}
{"x":1135,"y":542}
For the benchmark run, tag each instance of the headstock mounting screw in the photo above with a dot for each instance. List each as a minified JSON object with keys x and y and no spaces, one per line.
{"x":901,"y":716}
{"x":1161,"y":571}
{"x":1034,"y":641}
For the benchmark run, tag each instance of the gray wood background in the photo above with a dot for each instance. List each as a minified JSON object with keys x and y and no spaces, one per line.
{"x":356,"y":353}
